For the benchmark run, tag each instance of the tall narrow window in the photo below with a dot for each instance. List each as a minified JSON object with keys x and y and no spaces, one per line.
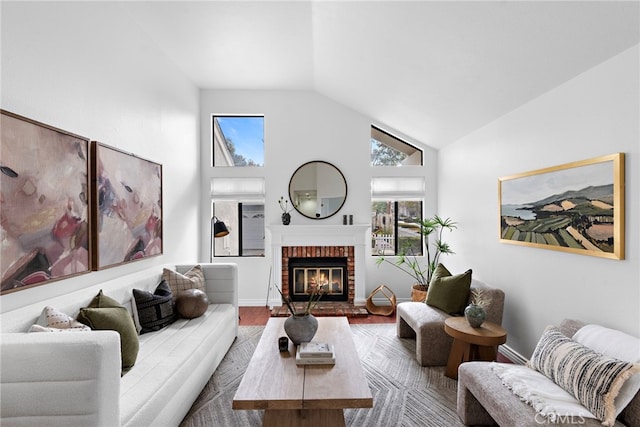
{"x":238,"y":141}
{"x":396,"y":213}
{"x":388,"y":150}
{"x":396,"y":227}
{"x":245,"y":222}
{"x":239,"y":203}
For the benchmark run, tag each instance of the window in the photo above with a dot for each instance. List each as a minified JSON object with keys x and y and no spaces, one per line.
{"x":245,"y":222}
{"x":388,"y":150}
{"x":238,"y":141}
{"x":239,"y":203}
{"x":396,"y":213}
{"x":395,"y":225}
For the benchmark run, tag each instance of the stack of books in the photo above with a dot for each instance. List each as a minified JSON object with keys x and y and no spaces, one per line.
{"x":315,"y":353}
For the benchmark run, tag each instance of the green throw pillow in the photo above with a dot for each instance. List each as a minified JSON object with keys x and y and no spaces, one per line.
{"x":105,"y":313}
{"x":449,"y":293}
{"x":440,"y":271}
{"x":103,"y":301}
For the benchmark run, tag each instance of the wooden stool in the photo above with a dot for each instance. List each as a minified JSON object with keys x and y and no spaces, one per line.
{"x":471,"y":343}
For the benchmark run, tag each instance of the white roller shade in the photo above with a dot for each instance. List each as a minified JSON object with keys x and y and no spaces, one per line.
{"x":397,"y":187}
{"x":241,"y":189}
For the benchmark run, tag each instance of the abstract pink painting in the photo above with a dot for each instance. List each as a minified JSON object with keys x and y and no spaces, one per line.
{"x":44,"y":200}
{"x":127,"y":207}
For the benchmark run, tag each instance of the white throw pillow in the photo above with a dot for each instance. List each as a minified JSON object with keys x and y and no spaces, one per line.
{"x":52,"y":320}
{"x":611,"y":342}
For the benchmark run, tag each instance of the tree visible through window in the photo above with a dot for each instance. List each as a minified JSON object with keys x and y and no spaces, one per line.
{"x":387,"y":150}
{"x":396,"y":227}
{"x":238,"y":141}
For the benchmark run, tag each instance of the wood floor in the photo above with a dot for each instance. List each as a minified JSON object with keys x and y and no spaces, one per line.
{"x":252,"y":316}
{"x":258,"y":316}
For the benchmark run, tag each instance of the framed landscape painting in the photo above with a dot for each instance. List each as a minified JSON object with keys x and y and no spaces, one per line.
{"x":44,"y":192}
{"x":576,"y":207}
{"x":127,"y":214}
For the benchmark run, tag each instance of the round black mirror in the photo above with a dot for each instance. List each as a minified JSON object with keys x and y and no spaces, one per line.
{"x":317,"y":189}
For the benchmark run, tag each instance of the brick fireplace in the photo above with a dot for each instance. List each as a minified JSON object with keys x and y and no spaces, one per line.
{"x":348,"y":241}
{"x":320,"y":252}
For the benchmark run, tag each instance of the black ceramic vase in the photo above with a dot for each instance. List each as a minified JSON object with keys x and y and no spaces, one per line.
{"x":286,"y":218}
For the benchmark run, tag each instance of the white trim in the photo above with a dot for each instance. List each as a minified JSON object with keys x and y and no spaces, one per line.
{"x":512,"y":355}
{"x":320,"y":235}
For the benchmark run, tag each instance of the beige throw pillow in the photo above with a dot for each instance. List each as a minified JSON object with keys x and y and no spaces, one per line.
{"x":594,"y":379}
{"x":192,"y":279}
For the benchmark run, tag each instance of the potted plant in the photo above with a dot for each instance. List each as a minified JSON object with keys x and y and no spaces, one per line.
{"x":409,"y":263}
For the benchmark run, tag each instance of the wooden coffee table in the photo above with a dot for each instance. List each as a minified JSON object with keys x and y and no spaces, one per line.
{"x":313,"y":395}
{"x":471,"y":343}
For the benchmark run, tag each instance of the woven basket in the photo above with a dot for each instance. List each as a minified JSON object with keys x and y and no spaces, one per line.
{"x":418,"y":293}
{"x":382,"y":310}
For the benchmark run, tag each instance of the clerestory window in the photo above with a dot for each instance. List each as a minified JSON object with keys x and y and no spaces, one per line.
{"x":388,"y":150}
{"x":238,"y":141}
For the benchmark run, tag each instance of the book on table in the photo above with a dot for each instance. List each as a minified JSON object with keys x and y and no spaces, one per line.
{"x":322,"y":360}
{"x":315,"y":349}
{"x":314,"y":353}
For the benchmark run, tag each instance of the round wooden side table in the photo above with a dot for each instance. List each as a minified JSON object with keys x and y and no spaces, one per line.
{"x":471,"y":343}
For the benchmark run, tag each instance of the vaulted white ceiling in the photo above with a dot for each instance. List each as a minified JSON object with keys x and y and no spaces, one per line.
{"x":432,"y":70}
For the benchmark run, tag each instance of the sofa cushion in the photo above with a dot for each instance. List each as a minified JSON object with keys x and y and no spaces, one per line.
{"x":449,"y":293}
{"x":192,"y":279}
{"x":153,"y":311}
{"x":168,"y":359}
{"x":105,"y":313}
{"x":595,"y":380}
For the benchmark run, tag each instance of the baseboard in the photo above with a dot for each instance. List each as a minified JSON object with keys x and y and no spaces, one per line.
{"x":512,"y":355}
{"x":256,"y":303}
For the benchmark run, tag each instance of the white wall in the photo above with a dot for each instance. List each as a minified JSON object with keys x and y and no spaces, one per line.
{"x":302,"y":126}
{"x":85,"y":68}
{"x":594,"y":114}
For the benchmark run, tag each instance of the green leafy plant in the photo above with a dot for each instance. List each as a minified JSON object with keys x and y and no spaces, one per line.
{"x":314,"y":297}
{"x":410,"y":264}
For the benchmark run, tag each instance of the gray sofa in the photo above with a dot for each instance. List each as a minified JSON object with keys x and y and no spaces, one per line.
{"x":426,"y":324}
{"x":483,"y":400}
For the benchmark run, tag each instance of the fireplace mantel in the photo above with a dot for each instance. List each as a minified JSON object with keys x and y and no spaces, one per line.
{"x":321,"y":235}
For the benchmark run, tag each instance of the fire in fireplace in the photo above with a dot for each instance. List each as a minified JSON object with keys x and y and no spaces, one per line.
{"x":307,"y":273}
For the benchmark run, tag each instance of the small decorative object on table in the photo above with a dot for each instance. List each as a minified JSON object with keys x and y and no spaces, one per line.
{"x":476,"y":312}
{"x":283,"y":343}
{"x":284,"y":205}
{"x":302,"y":326}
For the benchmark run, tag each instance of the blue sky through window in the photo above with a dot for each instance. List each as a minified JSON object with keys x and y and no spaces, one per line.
{"x":247,"y":134}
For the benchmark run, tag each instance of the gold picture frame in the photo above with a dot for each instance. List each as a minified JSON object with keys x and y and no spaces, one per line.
{"x":576,"y":207}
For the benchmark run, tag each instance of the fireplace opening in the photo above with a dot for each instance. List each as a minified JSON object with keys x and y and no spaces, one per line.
{"x":307,"y":273}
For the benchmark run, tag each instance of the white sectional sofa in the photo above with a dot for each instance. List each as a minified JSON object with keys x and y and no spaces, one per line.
{"x":74,"y":379}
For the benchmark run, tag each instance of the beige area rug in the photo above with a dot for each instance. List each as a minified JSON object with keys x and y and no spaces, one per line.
{"x":404,"y":393}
